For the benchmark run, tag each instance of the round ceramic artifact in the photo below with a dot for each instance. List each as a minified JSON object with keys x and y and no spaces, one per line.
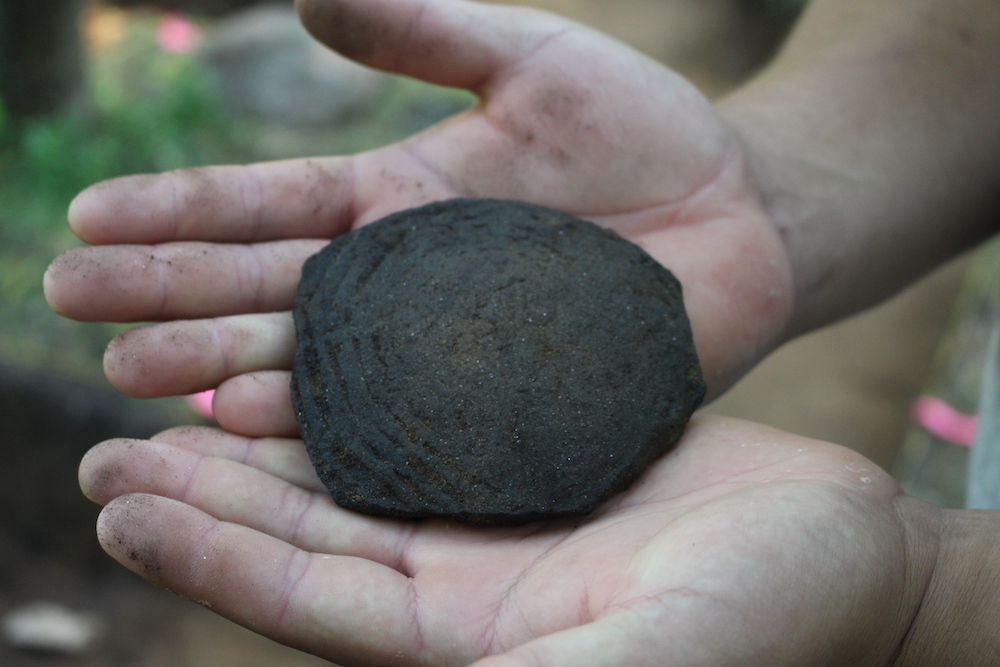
{"x":488,"y":361}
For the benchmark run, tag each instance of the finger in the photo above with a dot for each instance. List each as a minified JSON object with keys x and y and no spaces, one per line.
{"x":349,"y":610}
{"x":284,"y":458}
{"x":448,"y":42}
{"x":176,"y":280}
{"x":260,"y":202}
{"x":186,"y":357}
{"x":240,"y":494}
{"x":257,"y":405}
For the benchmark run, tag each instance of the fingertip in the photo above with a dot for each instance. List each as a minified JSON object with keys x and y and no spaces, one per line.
{"x":121,"y":466}
{"x":346,"y":27}
{"x":447,"y":42}
{"x":90,"y":213}
{"x":127,"y":532}
{"x":82,"y":210}
{"x":257,"y":405}
{"x":152,"y":362}
{"x":128,"y":209}
{"x":88,"y":284}
{"x":64,"y":283}
{"x":89,"y":472}
{"x":123,"y":368}
{"x":101,"y":473}
{"x":52,"y":282}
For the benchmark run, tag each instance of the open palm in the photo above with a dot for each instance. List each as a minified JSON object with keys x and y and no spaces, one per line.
{"x":736,"y":544}
{"x":743,"y":546}
{"x":567,"y":118}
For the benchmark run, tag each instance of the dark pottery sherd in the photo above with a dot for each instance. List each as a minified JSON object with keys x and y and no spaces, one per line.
{"x":488,"y":361}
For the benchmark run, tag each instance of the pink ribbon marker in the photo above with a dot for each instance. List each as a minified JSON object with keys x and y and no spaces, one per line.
{"x":175,"y":34}
{"x":944,"y":421}
{"x":202,"y":403}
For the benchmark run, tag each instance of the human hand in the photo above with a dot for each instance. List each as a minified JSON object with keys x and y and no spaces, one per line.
{"x":567,"y":118}
{"x":743,"y":546}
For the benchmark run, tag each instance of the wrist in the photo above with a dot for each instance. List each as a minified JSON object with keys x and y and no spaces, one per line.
{"x":785,"y":179}
{"x":875,"y":142}
{"x":958,"y":622}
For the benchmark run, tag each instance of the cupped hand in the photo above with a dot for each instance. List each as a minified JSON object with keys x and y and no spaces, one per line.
{"x":743,"y":546}
{"x":566,"y":118}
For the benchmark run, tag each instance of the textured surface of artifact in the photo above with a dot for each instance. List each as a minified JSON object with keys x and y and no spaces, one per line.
{"x":488,"y":361}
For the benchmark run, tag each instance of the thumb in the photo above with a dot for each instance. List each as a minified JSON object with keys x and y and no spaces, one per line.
{"x":447,"y":42}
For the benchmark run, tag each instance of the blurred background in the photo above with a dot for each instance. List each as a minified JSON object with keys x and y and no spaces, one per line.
{"x":95,"y":89}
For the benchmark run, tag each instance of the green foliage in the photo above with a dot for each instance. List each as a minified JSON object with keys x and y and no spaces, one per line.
{"x":149,"y":111}
{"x":171,"y":123}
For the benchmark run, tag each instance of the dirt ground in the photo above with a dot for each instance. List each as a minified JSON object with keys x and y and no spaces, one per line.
{"x":850,"y":384}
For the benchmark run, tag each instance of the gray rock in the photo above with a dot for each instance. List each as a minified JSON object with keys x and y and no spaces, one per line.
{"x":50,"y":627}
{"x":263,"y":63}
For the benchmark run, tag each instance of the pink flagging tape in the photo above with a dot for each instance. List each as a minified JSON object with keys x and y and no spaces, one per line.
{"x":944,"y":421}
{"x":202,"y":403}
{"x":175,"y":34}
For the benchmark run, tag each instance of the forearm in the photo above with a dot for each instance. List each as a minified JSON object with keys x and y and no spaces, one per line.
{"x":959,"y":620}
{"x":875,"y":138}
